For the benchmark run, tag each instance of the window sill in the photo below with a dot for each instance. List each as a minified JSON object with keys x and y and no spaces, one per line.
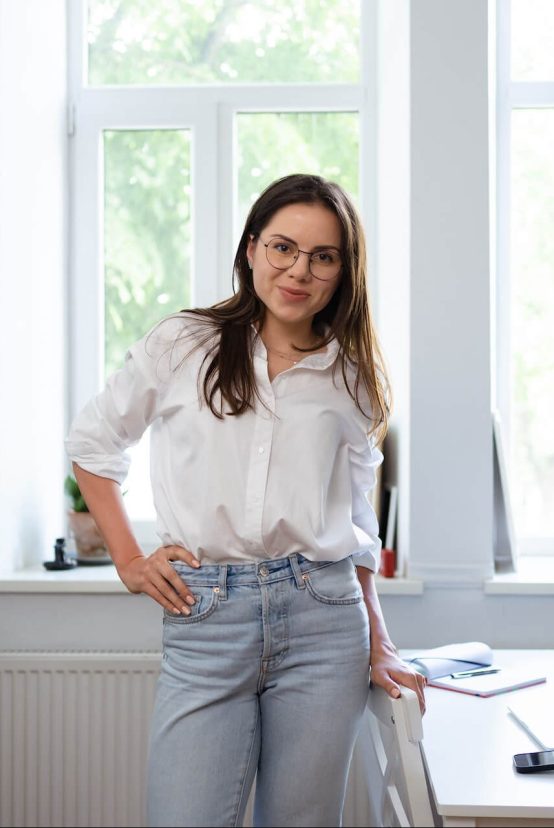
{"x":104,"y":579}
{"x":398,"y":586}
{"x":534,"y":576}
{"x":91,"y":579}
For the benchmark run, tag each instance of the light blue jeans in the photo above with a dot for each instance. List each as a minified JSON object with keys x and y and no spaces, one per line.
{"x":269,"y":675}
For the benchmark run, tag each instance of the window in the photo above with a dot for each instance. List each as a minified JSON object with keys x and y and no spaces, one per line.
{"x":182,"y":112}
{"x":525,"y":294}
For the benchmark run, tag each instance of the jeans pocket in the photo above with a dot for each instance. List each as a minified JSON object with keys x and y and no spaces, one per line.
{"x":335,"y":583}
{"x":207,"y":600}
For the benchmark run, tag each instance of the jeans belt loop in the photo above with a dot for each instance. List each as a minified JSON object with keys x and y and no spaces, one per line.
{"x":297,"y":572}
{"x":223,"y":582}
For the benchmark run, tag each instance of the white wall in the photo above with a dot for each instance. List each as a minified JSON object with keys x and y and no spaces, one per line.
{"x":393,"y":242}
{"x":451,"y":429}
{"x":32,"y":273}
{"x":433,"y":255}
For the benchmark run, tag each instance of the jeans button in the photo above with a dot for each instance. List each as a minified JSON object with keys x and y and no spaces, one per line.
{"x":264,"y":570}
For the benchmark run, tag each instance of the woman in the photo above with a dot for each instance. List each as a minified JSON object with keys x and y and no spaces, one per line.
{"x":266,"y":410}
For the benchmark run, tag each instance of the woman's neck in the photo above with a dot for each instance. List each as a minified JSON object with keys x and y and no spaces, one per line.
{"x":283,"y":337}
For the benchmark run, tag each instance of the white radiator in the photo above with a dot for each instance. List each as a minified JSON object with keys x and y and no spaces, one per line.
{"x":73,"y":737}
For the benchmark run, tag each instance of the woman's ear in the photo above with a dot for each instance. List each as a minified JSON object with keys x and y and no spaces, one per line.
{"x":250,"y":249}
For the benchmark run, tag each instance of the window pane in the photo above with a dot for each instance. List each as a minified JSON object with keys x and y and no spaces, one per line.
{"x":273,"y":144}
{"x":532,"y":326}
{"x":215,"y":41}
{"x":532,"y":49}
{"x":146,"y":233}
{"x":147,"y":255}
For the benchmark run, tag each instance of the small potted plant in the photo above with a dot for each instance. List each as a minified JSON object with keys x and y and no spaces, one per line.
{"x":91,"y":547}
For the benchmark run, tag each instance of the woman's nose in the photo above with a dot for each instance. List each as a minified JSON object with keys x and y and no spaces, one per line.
{"x":301,"y":266}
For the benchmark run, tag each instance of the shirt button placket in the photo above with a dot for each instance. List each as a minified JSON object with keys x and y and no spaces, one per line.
{"x":257,"y":472}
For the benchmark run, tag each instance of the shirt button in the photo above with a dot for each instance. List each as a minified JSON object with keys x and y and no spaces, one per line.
{"x":261,"y":450}
{"x":264,"y":570}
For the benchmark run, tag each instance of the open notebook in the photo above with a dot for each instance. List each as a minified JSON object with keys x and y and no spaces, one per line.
{"x":451,"y":658}
{"x":438,"y":663}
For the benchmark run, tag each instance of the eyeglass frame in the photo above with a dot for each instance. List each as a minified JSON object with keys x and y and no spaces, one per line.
{"x":308,"y":253}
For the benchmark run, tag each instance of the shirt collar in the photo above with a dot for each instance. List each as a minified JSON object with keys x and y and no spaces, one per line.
{"x":313,"y":361}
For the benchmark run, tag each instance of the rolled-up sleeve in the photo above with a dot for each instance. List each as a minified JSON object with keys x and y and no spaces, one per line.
{"x":364,"y":462}
{"x":116,"y":418}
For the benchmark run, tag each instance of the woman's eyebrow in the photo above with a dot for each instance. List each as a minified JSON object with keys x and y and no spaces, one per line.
{"x":317,"y":247}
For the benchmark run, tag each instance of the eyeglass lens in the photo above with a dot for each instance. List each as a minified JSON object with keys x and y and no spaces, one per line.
{"x":324,"y":264}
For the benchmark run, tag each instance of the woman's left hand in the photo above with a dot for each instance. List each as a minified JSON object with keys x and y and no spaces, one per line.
{"x":389,"y":671}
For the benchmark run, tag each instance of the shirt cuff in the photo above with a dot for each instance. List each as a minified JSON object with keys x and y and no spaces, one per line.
{"x":369,"y":558}
{"x":115,"y":468}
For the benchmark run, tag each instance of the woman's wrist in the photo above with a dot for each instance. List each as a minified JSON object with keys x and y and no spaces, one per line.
{"x":382,"y":646}
{"x":123,"y":559}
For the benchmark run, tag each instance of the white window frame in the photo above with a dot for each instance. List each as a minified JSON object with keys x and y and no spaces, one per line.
{"x":209,"y":111}
{"x":510,"y":95}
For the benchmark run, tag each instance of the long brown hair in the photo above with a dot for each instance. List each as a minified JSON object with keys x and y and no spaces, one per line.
{"x":348,"y":315}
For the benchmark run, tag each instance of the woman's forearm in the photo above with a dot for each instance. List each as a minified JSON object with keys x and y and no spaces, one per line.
{"x":387,"y":668}
{"x":105,"y":503}
{"x":380,"y":638}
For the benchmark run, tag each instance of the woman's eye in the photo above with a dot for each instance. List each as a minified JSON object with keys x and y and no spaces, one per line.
{"x":325,"y":257}
{"x":282,"y":247}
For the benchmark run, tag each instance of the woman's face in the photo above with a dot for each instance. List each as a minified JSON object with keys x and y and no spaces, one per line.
{"x":309,"y":226}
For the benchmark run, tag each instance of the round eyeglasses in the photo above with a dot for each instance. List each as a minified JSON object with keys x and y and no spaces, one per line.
{"x":282,"y":254}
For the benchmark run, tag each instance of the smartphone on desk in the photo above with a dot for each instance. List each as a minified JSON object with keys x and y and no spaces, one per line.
{"x":540,"y":760}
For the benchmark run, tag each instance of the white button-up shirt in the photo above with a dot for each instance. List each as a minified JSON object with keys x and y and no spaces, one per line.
{"x":265,"y":484}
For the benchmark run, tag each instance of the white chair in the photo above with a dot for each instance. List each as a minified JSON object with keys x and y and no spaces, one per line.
{"x":387,"y":785}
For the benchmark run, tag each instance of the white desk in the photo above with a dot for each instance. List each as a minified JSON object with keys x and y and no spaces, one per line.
{"x":468,"y":746}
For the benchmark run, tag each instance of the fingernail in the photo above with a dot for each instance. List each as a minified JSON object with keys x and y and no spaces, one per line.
{"x":396,"y":693}
{"x":190,"y":600}
{"x":185,"y":610}
{"x":196,"y":563}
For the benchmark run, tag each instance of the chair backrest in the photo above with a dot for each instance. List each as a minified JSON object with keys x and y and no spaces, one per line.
{"x":397,"y":732}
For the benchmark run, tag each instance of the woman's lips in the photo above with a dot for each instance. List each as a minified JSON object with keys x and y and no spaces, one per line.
{"x":293,"y":297}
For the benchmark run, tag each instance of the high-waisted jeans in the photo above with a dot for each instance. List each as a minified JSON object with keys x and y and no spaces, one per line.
{"x":268,"y":675}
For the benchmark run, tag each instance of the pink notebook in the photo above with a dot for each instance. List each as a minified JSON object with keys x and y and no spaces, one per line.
{"x":504,"y":681}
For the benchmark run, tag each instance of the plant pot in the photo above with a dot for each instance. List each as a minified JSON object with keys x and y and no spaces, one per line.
{"x":91,"y":548}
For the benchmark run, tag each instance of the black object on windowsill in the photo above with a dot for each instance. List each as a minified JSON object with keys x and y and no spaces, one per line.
{"x":60,"y":561}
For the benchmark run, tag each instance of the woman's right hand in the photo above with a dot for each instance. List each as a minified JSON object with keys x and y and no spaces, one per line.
{"x":154,"y":576}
